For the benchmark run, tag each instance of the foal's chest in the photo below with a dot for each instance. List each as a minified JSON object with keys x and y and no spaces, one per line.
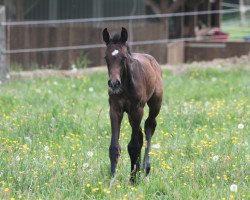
{"x":129,"y":104}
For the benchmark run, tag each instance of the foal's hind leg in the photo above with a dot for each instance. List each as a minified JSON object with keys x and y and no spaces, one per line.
{"x":154,"y":105}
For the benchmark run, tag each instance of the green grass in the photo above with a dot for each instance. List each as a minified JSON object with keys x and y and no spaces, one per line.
{"x":50,"y":127}
{"x":233,"y":27}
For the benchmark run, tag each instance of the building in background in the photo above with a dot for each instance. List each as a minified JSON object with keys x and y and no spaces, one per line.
{"x":37,"y":39}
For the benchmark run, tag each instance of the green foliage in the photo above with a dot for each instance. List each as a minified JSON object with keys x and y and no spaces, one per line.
{"x":50,"y":127}
{"x":82,"y":61}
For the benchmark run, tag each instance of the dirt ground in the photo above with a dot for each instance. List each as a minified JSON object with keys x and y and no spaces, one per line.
{"x":234,"y":63}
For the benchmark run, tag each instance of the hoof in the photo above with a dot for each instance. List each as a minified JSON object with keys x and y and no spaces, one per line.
{"x":112,"y":180}
{"x":147,"y":168}
{"x":132,"y":179}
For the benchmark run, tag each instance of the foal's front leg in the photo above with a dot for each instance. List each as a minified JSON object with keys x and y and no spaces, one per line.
{"x":136,"y":142}
{"x":116,"y":116}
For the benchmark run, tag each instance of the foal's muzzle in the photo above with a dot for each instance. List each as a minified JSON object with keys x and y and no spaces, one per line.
{"x":114,"y":84}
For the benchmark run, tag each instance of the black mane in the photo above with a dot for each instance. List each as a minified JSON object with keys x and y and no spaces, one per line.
{"x":116,"y":39}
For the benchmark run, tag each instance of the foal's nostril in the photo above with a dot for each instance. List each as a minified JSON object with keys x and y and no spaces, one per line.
{"x":110,"y":83}
{"x":117,"y":83}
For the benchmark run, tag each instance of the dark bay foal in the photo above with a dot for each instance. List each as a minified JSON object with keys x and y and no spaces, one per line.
{"x":134,"y":80}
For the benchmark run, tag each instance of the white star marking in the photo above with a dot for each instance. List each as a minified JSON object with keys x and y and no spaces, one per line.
{"x":115,"y":52}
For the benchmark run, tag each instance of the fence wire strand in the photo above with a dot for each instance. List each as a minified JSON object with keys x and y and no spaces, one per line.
{"x":121,"y":18}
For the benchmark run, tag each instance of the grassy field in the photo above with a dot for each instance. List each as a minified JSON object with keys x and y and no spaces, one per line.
{"x":55,"y":133}
{"x":234,"y":29}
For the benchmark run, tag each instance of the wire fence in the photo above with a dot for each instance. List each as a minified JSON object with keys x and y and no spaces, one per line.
{"x":233,"y":9}
{"x":61,"y":41}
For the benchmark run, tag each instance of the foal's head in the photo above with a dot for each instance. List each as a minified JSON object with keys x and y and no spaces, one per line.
{"x":116,"y":56}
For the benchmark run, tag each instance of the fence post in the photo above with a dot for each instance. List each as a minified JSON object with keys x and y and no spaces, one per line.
{"x":3,"y":57}
{"x":242,"y":13}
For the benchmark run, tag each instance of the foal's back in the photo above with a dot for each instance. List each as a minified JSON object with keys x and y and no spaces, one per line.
{"x":152,"y":74}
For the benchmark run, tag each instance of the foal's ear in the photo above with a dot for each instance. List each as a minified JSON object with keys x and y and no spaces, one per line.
{"x":124,"y":35}
{"x":105,"y":36}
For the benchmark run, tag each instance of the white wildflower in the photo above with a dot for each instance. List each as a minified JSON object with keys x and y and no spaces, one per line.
{"x":48,"y":157}
{"x":8,"y":76}
{"x":91,"y":89}
{"x":55,"y":83}
{"x":90,"y":154}
{"x":240,"y":126}
{"x":18,"y":158}
{"x":38,"y":91}
{"x":233,"y":188}
{"x":156,"y":146}
{"x":85,"y":165}
{"x":214,"y":79}
{"x":1,"y":173}
{"x":84,"y":184}
{"x":207,"y":104}
{"x":215,"y":158}
{"x":46,"y":148}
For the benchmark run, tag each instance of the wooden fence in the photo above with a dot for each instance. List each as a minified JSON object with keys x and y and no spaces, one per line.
{"x":209,"y":50}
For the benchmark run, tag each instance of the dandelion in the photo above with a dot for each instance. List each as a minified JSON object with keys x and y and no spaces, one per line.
{"x":25,"y":147}
{"x":156,"y":146}
{"x":90,"y":154}
{"x":215,"y":158}
{"x":6,"y":189}
{"x":95,"y":189}
{"x":48,"y":157}
{"x":91,"y":89}
{"x":46,"y":148}
{"x":85,"y":165}
{"x":233,"y":188}
{"x":240,"y":126}
{"x":18,"y":158}
{"x":106,"y":191}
